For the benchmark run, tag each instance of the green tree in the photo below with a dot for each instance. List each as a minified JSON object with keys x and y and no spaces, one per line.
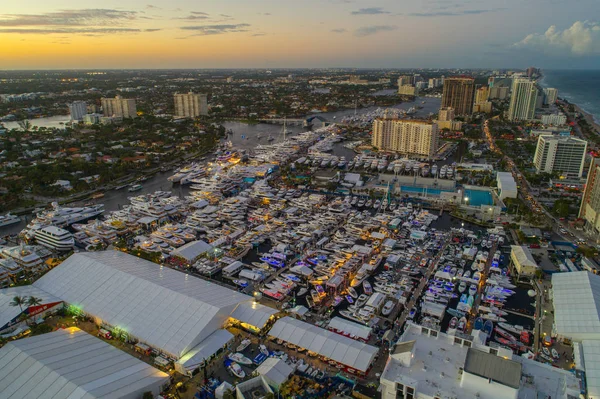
{"x":18,"y":301}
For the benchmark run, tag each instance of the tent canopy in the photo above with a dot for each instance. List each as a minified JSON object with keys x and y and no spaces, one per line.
{"x":253,"y":313}
{"x":349,"y":327}
{"x":275,"y":371}
{"x":161,"y":307}
{"x":576,"y":305}
{"x":336,"y":347}
{"x":72,"y":363}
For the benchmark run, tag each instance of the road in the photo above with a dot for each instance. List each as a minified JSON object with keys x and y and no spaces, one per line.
{"x":526,"y":191}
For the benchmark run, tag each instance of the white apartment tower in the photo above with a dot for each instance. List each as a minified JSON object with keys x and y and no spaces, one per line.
{"x":551,"y":95}
{"x":522,"y":100}
{"x":560,"y":154}
{"x":77,"y":109}
{"x":119,"y":107}
{"x":190,"y":105}
{"x":410,"y":137}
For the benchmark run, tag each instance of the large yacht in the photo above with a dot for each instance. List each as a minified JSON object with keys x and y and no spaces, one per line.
{"x":7,"y":219}
{"x":61,"y":217}
{"x":55,"y":238}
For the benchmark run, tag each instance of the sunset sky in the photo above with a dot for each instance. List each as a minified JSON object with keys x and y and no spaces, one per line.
{"x":52,"y":34}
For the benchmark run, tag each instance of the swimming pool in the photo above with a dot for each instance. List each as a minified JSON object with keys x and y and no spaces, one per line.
{"x":423,"y":190}
{"x":479,"y":197}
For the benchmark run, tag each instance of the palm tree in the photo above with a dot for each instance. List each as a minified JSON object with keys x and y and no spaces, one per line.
{"x":33,"y":301}
{"x":18,"y":301}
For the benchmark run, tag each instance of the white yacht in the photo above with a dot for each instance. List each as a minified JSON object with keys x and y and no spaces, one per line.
{"x":7,"y":219}
{"x":55,"y":238}
{"x":61,"y":217}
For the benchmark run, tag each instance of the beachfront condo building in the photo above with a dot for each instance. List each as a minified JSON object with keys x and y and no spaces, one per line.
{"x":565,"y":155}
{"x":77,"y":110}
{"x":522,"y":100}
{"x":119,"y":107}
{"x":458,"y":93}
{"x":590,"y":203}
{"x":190,"y":105}
{"x":406,"y":136}
{"x":550,"y":95}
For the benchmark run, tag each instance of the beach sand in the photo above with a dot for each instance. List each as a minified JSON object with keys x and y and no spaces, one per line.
{"x":589,"y":118}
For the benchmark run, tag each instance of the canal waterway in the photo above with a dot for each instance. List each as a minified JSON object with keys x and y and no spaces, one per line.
{"x":253,"y":135}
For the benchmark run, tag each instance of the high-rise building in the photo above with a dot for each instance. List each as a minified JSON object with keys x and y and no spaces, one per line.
{"x":522,"y":100}
{"x":119,"y":107}
{"x":434,"y":83}
{"x":458,"y":93}
{"x":550,"y":95}
{"x":532,"y":71}
{"x":407,"y":90}
{"x":560,"y":154}
{"x":481,"y":100}
{"x":482,"y":94}
{"x":498,"y":92}
{"x":590,"y":203}
{"x":554,"y":119}
{"x":446,"y":114}
{"x":406,"y":136}
{"x":405,"y":80}
{"x":190,"y":105}
{"x":77,"y":109}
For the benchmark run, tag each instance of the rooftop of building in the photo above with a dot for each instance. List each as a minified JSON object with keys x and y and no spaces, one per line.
{"x":437,"y":363}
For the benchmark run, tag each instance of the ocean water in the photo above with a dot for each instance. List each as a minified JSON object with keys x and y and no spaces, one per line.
{"x":581,"y":87}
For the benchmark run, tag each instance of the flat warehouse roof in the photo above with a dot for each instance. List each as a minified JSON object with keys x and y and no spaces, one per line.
{"x":71,"y":363}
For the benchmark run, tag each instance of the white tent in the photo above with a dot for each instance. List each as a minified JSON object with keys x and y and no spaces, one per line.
{"x":349,"y":327}
{"x":333,"y":346}
{"x":72,"y":363}
{"x":253,"y":313}
{"x":576,"y":297}
{"x":9,"y":315}
{"x":211,"y":345}
{"x":161,"y":307}
{"x":221,"y":389}
{"x":192,"y":250}
{"x":275,"y":371}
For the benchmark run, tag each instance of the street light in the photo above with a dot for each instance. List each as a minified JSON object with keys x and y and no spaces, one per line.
{"x":467,"y":200}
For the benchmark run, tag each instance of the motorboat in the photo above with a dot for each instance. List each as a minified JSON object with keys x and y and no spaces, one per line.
{"x":462,"y":324}
{"x":488,"y":327}
{"x":462,"y":287}
{"x":368,"y":289}
{"x":243,"y":345}
{"x":352,"y":292}
{"x":239,"y":358}
{"x":236,"y":370}
{"x":478,"y":325}
{"x":387,"y":308}
{"x":263,"y":349}
{"x":362,"y":299}
{"x":302,"y":291}
{"x":554,"y":353}
{"x":515,"y":329}
{"x":472,"y":290}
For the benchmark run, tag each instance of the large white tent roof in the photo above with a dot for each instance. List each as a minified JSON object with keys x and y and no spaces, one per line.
{"x":73,"y":364}
{"x":164,"y":308}
{"x":577,"y":305}
{"x":591,"y":361}
{"x":253,"y":313}
{"x":326,"y":343}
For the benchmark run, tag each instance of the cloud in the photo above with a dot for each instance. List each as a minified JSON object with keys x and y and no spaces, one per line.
{"x":441,"y":13}
{"x":370,"y":11}
{"x":152,"y":30}
{"x":66,"y":18}
{"x":259,"y":34}
{"x":371,"y":30}
{"x":152,"y":7}
{"x":198,"y":13}
{"x":582,"y":38}
{"x":84,"y":31}
{"x":339,"y":30}
{"x":206,"y":30}
{"x":192,"y":17}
